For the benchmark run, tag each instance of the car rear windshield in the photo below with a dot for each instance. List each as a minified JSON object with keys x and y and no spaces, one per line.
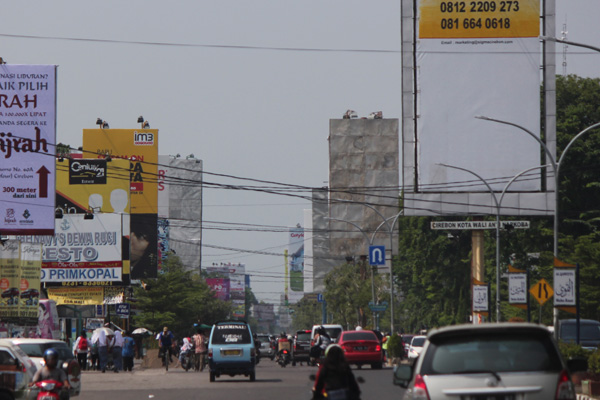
{"x":498,"y":352}
{"x":359,"y":336}
{"x":304,"y":336}
{"x":38,"y":349}
{"x":231,"y":334}
{"x":418,"y":341}
{"x":568,"y":331}
{"x":333,"y":332}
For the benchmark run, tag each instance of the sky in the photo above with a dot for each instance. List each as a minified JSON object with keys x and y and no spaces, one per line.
{"x":248,"y":87}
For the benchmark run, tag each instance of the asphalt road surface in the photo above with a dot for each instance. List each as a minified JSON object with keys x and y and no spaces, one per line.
{"x":272,"y":382}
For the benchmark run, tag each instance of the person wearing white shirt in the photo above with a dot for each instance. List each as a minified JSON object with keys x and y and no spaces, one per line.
{"x":117,"y":351}
{"x":102,"y":350}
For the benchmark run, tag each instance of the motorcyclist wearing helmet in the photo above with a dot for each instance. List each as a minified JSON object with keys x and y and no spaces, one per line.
{"x":50,"y":371}
{"x":283,"y":343}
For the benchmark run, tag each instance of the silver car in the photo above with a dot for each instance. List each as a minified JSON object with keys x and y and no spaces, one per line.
{"x":505,"y":361}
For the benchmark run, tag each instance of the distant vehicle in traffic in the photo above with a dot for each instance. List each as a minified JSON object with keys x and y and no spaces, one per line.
{"x":362,"y":347}
{"x":231,"y":350}
{"x":406,"y":338}
{"x":265,"y":349}
{"x":301,"y":347}
{"x":16,"y":372}
{"x":490,"y":361}
{"x":333,"y":330}
{"x":416,"y":346}
{"x":589,"y":332}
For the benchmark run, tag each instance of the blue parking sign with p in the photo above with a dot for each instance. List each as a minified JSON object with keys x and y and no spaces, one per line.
{"x":377,"y":255}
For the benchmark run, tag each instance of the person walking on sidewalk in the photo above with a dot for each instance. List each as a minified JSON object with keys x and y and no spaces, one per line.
{"x":117,"y":351}
{"x":128,"y":351}
{"x":80,"y":350}
{"x":201,"y":349}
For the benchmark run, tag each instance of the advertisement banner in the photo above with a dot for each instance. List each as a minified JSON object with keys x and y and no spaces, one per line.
{"x":48,"y":323}
{"x":27,"y":138}
{"x":296,"y":261}
{"x":477,"y":59}
{"x":31,"y":265}
{"x":80,"y":296}
{"x":10,"y":279}
{"x":220,"y":286}
{"x":109,"y":195}
{"x":82,"y":250}
{"x":481,"y":298}
{"x":140,"y":147}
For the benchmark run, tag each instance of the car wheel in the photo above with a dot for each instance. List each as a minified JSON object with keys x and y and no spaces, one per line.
{"x":252,"y":376}
{"x":212,"y":376}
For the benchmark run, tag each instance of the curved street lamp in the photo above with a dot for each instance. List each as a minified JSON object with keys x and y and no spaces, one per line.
{"x":556,"y":167}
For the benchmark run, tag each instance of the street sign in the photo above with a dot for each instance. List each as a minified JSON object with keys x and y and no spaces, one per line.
{"x":378,"y":307}
{"x":542,"y":291}
{"x":122,"y":310}
{"x":320,"y":298}
{"x":377,"y":255}
{"x":457,"y":225}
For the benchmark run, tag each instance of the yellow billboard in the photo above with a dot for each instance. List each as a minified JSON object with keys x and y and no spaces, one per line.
{"x":479,"y":19}
{"x":140,"y":148}
{"x":79,"y":296}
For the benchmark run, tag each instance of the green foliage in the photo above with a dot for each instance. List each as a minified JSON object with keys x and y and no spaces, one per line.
{"x":177,"y":299}
{"x":395,"y":347}
{"x":306,"y":314}
{"x":572,"y":350}
{"x":348,"y":292}
{"x":594,"y":362}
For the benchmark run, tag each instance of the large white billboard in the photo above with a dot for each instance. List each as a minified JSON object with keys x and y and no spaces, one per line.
{"x":27,"y":148}
{"x":474,"y":59}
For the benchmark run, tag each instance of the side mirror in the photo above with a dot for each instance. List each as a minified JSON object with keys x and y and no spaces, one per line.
{"x":402,"y":375}
{"x":577,"y":364}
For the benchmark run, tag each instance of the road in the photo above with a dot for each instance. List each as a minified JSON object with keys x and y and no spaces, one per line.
{"x":272,"y":382}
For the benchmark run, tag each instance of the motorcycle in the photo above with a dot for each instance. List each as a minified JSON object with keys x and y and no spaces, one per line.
{"x":49,"y":390}
{"x":188,"y":360}
{"x":283,"y":358}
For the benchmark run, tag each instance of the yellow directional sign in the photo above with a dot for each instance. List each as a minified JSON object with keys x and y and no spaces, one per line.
{"x":542,"y":291}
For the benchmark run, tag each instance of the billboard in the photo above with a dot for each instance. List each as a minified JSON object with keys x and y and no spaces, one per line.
{"x":27,"y":146}
{"x":473,"y":60}
{"x":20,"y":265}
{"x":82,"y":250}
{"x":140,"y":147}
{"x":296,"y":264}
{"x":220,"y":286}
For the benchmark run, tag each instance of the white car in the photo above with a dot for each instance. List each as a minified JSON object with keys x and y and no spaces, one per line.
{"x":35,"y":349}
{"x":416,"y":347}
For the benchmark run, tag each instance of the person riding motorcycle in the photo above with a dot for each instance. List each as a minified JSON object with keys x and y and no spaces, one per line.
{"x":50,"y":371}
{"x":335,"y":379}
{"x":321,"y":341}
{"x":283,"y":343}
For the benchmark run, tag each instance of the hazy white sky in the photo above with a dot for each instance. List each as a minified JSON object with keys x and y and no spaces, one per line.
{"x":246,"y":86}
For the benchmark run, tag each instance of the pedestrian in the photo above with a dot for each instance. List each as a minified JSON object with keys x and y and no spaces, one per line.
{"x":117,"y":351}
{"x":80,"y":350}
{"x":384,"y":346}
{"x":94,"y":351}
{"x":103,"y":349}
{"x":335,"y":378}
{"x":128,"y":351}
{"x":200,"y":341}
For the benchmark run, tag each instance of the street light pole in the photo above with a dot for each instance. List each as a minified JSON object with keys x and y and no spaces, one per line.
{"x":498,"y":209}
{"x":391,"y":232}
{"x":370,"y":241}
{"x":556,"y":167}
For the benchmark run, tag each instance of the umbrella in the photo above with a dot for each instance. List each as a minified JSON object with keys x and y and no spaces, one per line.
{"x":106,"y":330}
{"x":141,"y":331}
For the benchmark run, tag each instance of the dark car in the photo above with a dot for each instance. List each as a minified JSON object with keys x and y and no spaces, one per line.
{"x":301,"y":350}
{"x":589,"y":332}
{"x":362,"y":347}
{"x":406,"y":339}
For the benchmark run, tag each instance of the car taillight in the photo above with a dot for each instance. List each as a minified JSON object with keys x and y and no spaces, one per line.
{"x":420,"y":389}
{"x":347,"y":349}
{"x":378,"y":348}
{"x":210,"y":354}
{"x":565,"y":389}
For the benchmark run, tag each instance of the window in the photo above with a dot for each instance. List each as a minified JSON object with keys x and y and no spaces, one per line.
{"x":231,"y":334}
{"x":359,"y":335}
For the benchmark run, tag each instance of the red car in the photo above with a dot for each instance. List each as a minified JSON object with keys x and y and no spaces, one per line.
{"x":362,"y":347}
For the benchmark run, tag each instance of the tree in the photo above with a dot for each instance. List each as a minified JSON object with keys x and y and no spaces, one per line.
{"x":306,"y":314}
{"x":177,"y":299}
